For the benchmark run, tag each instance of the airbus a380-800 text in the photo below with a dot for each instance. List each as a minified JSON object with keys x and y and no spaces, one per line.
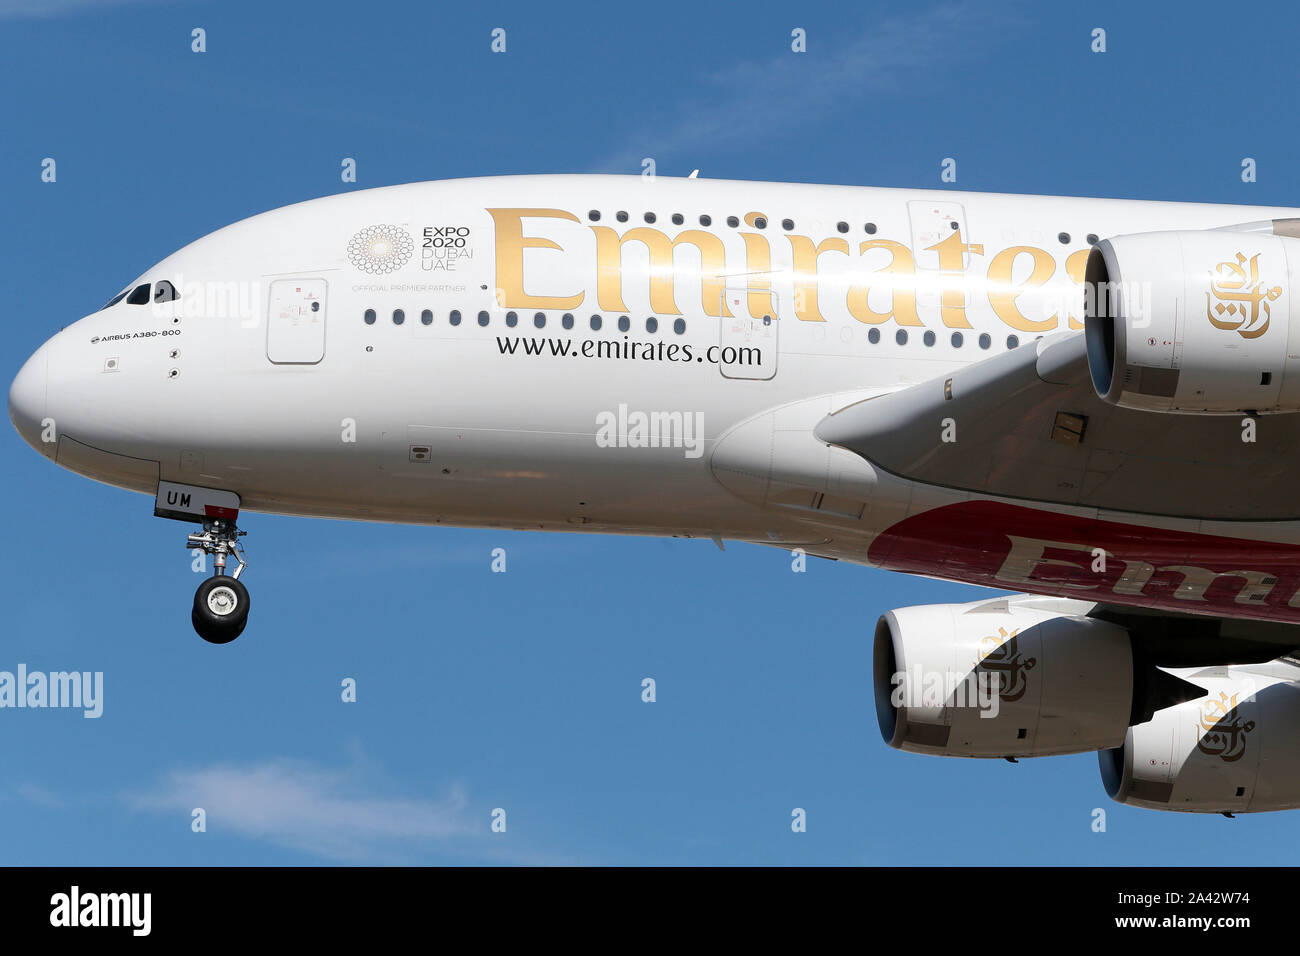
{"x":1092,"y":403}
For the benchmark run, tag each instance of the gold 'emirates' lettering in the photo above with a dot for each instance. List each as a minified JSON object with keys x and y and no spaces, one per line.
{"x":1003,"y":293}
{"x":952,"y":265}
{"x":609,"y":268}
{"x":805,"y":273}
{"x":898,"y":276}
{"x":758,"y":263}
{"x":510,"y":246}
{"x":902,"y":294}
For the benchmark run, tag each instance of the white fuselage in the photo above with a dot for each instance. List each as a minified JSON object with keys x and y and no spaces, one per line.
{"x":264,"y":377}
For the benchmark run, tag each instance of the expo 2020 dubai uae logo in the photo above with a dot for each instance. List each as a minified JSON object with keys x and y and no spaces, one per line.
{"x":380,"y":249}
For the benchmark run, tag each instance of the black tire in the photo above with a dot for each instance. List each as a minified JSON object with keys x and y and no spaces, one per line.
{"x":220,"y":612}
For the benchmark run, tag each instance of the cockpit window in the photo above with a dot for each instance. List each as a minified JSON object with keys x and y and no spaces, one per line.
{"x":115,"y":300}
{"x":139,"y":295}
{"x":164,"y":291}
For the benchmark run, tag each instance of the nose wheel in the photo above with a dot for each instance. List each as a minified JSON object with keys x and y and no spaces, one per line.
{"x":220,"y":609}
{"x":221,"y":602}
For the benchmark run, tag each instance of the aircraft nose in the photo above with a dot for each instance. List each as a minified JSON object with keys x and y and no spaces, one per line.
{"x":27,"y":396}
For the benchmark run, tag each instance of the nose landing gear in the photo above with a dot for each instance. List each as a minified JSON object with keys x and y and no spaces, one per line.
{"x":221,"y":602}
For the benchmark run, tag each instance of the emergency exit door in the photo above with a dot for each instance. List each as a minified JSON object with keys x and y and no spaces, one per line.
{"x":747,"y":344}
{"x":295,"y":327}
{"x":934,"y":221}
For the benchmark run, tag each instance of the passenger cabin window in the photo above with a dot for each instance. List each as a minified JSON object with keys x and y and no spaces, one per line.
{"x":139,"y":295}
{"x":164,"y":291}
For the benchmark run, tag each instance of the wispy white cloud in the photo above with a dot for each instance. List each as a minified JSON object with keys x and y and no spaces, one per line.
{"x":40,"y":796}
{"x":764,"y":101}
{"x":324,"y":812}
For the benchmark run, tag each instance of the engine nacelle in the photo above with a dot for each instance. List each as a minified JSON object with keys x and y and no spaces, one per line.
{"x":1233,"y":750}
{"x":1196,"y":322}
{"x":1001,"y":678}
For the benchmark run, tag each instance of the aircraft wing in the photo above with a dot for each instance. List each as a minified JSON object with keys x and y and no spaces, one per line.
{"x":1028,"y":424}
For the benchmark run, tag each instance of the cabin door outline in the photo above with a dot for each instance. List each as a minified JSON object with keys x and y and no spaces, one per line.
{"x":748,"y":341}
{"x":295,"y":323}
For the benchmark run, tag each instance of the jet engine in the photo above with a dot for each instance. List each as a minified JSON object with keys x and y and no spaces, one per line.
{"x":1196,"y":322}
{"x":1232,"y":750}
{"x":1004,"y":678}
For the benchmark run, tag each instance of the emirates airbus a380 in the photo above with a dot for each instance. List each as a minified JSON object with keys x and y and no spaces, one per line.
{"x":1094,"y":403}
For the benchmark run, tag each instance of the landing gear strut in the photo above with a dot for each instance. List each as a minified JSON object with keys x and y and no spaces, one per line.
{"x":221,"y":602}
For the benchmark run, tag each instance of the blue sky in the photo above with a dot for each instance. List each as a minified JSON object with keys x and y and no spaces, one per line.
{"x":522,"y":690}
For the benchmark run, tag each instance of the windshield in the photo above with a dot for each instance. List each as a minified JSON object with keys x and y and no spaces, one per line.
{"x":115,"y":300}
{"x":163,"y":291}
